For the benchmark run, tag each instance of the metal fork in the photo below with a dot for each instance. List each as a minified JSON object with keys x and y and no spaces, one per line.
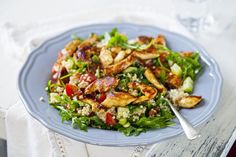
{"x":189,"y":131}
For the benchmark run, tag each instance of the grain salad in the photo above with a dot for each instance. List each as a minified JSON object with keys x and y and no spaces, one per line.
{"x":110,"y":82}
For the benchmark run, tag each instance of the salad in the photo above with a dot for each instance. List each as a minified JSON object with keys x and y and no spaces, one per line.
{"x":110,"y":82}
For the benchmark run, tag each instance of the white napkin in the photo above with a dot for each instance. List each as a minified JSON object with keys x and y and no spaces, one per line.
{"x":25,"y":135}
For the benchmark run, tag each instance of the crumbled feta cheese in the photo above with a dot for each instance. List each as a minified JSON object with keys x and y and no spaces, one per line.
{"x":133,"y":77}
{"x":68,"y":64}
{"x":177,"y":94}
{"x":125,"y":114}
{"x":138,"y":112}
{"x":83,"y":84}
{"x":135,"y":118}
{"x":86,"y":110}
{"x":152,"y":102}
{"x":75,"y":98}
{"x":59,"y":89}
{"x":102,"y":115}
{"x":54,"y":97}
{"x":74,"y":79}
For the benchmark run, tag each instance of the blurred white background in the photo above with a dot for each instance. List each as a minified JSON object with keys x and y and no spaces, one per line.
{"x":32,"y":10}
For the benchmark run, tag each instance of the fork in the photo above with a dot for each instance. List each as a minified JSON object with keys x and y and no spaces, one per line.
{"x":189,"y":131}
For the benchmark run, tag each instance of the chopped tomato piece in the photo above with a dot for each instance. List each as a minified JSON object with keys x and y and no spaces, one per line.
{"x":71,"y":90}
{"x":109,"y":119}
{"x":101,"y":97}
{"x":88,"y":77}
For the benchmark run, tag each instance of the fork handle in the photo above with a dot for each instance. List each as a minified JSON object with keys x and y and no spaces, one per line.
{"x":189,"y":131}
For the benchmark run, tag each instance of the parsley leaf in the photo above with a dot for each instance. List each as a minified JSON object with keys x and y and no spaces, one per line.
{"x":81,"y":122}
{"x":117,"y":40}
{"x":65,"y":114}
{"x":154,"y":122}
{"x":190,"y":65}
{"x":129,"y":131}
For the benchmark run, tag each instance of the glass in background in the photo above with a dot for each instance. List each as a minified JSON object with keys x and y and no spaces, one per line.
{"x":205,"y":16}
{"x":193,"y":14}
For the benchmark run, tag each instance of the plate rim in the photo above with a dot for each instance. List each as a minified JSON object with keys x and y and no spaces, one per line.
{"x":36,"y":115}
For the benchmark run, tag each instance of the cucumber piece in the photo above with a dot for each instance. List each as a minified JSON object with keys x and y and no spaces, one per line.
{"x":188,"y":85}
{"x":126,"y":125}
{"x":170,"y":62}
{"x":176,"y":69}
{"x":130,"y":70}
{"x":122,"y":121}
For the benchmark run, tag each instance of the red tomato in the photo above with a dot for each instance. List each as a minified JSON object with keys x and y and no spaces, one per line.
{"x":109,"y":120}
{"x":71,"y":90}
{"x":101,"y":98}
{"x":88,"y":77}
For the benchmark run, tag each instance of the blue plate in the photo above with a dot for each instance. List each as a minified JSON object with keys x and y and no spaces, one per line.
{"x":36,"y":71}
